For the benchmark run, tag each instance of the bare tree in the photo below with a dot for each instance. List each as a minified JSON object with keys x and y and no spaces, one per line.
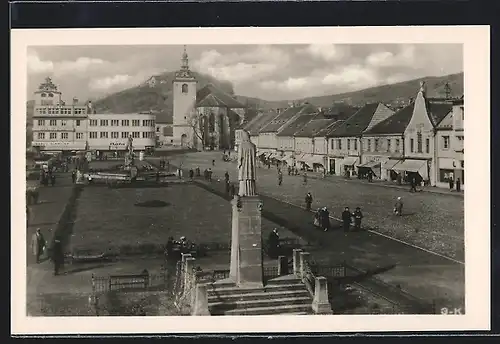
{"x":196,"y":122}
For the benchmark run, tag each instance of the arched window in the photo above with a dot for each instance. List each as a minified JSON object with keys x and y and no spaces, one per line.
{"x":184,"y":88}
{"x":43,"y":95}
{"x":51,"y":95}
{"x":419,"y":142}
{"x":211,"y":123}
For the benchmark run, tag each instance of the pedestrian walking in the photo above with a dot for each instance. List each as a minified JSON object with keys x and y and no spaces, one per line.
{"x":280,"y":178}
{"x":358,"y":215}
{"x":398,"y":207}
{"x":289,"y":170}
{"x":273,"y":243}
{"x":198,"y":172}
{"x":309,"y":200}
{"x":191,"y":174}
{"x":413,"y":184}
{"x":57,"y":256}
{"x":450,"y":183}
{"x":213,"y":162}
{"x":209,"y":174}
{"x":226,"y":177}
{"x":458,"y":184}
{"x":38,"y":244}
{"x":73,"y":176}
{"x":305,"y":178}
{"x":232,"y":190}
{"x":325,"y":219}
{"x":346,"y":219}
{"x":53,"y":180}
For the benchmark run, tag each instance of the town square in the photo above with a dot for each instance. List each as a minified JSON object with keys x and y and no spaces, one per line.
{"x":173,"y":195}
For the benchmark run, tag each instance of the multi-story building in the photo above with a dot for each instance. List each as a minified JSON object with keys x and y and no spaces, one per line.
{"x":311,"y":144}
{"x":267,"y":135}
{"x":57,"y":126}
{"x":286,"y":139}
{"x":404,"y":143}
{"x":256,"y":124}
{"x":66,"y":128}
{"x":450,"y":146}
{"x":344,"y":143}
{"x":110,"y":132}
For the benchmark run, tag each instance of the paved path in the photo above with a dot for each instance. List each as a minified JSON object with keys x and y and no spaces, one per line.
{"x":417,"y":271}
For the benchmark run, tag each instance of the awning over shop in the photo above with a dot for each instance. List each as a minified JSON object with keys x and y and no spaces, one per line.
{"x":389,"y":164}
{"x":419,"y":166}
{"x":316,"y":159}
{"x":349,"y":161}
{"x":372,"y":165}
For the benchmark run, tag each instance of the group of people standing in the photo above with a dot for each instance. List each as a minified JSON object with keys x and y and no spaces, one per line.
{"x":47,"y":176}
{"x":39,"y":248}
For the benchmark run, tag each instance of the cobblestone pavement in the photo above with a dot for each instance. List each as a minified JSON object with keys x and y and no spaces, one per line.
{"x":420,"y":272}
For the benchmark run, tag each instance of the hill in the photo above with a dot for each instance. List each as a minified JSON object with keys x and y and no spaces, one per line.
{"x":154,"y":94}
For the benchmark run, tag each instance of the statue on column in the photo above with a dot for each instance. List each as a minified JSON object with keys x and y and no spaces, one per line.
{"x":247,"y":166}
{"x":129,"y":157}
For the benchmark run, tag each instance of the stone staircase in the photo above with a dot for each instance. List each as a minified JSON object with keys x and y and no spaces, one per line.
{"x":285,"y":295}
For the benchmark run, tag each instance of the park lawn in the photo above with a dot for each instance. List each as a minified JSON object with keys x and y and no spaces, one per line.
{"x":107,"y":218}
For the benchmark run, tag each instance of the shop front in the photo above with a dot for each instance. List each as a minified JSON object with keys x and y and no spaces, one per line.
{"x":348,"y":166}
{"x":372,"y":168}
{"x":449,"y":168}
{"x":387,"y":171}
{"x":314,"y":162}
{"x":331,"y":165}
{"x":58,"y":146}
{"x":413,"y":169}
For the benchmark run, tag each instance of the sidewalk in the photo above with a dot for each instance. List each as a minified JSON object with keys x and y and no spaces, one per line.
{"x":383,"y":183}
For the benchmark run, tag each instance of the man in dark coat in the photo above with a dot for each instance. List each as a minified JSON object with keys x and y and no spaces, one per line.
{"x":57,"y":256}
{"x":325,"y":219}
{"x":450,"y":183}
{"x":458,"y":184}
{"x":38,"y":244}
{"x":191,"y":174}
{"x":226,"y":177}
{"x":413,"y":185}
{"x":232,"y":190}
{"x":305,"y":178}
{"x":198,"y":172}
{"x":209,"y":174}
{"x":274,"y":242}
{"x":346,"y":219}
{"x":357,"y":218}
{"x":73,"y":176}
{"x":309,"y":200}
{"x":280,"y":178}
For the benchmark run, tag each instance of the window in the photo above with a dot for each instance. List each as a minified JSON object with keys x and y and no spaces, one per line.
{"x":388,"y":145}
{"x":77,"y":122}
{"x":53,"y":136}
{"x":157,"y":129}
{"x":411,"y":145}
{"x":64,"y":136}
{"x":369,"y":145}
{"x":427,"y":146}
{"x":125,"y":122}
{"x":445,"y":175}
{"x":79,"y":136}
{"x":339,"y":144}
{"x":53,"y":122}
{"x":104,"y":134}
{"x":104,"y":123}
{"x":376,"y":145}
{"x":136,"y":122}
{"x":348,"y":144}
{"x":63,"y":122}
{"x":396,"y":148}
{"x":355,"y":144}
{"x":114,"y":135}
{"x":125,"y":135}
{"x":136,"y":134}
{"x":41,"y":136}
{"x":419,"y":142}
{"x":93,"y":122}
{"x":115,"y":122}
{"x":332,"y":144}
{"x":41,"y":122}
{"x":184,"y":88}
{"x":446,"y":142}
{"x":93,"y":135}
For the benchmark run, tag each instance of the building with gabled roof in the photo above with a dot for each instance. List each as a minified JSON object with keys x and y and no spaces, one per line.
{"x":286,"y":139}
{"x":268,"y":140}
{"x":403,"y":145}
{"x":344,"y":141}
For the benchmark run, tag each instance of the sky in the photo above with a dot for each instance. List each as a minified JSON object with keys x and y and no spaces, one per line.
{"x":271,"y":72}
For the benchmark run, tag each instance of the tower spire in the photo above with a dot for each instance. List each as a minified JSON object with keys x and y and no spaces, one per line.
{"x":185,"y":60}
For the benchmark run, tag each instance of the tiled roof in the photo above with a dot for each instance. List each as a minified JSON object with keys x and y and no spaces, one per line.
{"x":335,"y":124}
{"x":395,"y":124}
{"x":295,"y":125}
{"x":314,"y":127}
{"x":259,"y":122}
{"x":446,"y":123}
{"x":357,"y":123}
{"x":284,"y":117}
{"x":438,"y":111}
{"x":250,"y":114}
{"x":211,"y":96}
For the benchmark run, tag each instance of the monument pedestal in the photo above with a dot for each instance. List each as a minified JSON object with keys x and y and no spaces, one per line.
{"x":246,"y":268}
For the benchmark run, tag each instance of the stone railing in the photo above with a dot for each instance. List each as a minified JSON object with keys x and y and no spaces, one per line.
{"x":316,"y":285}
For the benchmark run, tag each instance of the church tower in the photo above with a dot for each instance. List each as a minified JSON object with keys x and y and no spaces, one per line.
{"x":184,"y":93}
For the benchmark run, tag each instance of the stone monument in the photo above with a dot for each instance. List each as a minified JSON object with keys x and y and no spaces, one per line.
{"x":246,"y":268}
